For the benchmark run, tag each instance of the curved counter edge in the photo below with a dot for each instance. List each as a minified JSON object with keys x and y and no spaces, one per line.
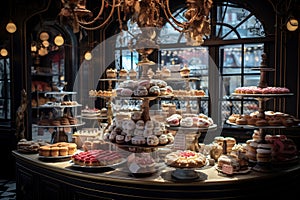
{"x":37,"y":179}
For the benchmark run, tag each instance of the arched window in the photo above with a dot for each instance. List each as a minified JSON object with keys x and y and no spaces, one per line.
{"x":236,"y":37}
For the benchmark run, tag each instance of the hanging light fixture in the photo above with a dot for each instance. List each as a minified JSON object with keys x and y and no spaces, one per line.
{"x":146,"y":13}
{"x":3,"y":52}
{"x":44,"y":36}
{"x":292,"y":24}
{"x":59,"y":40}
{"x":11,"y":27}
{"x":88,"y":55}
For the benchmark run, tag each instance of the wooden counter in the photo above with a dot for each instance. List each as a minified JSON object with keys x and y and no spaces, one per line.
{"x":38,"y":179}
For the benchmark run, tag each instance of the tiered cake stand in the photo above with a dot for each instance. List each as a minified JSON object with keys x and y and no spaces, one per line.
{"x":262,"y":99}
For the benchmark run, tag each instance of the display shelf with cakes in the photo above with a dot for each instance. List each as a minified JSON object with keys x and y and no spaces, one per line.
{"x":263,"y":119}
{"x":58,"y":115}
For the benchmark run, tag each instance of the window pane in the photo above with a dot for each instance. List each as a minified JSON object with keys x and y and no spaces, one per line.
{"x":2,"y":89}
{"x":235,"y":16}
{"x":195,"y":58}
{"x":230,"y":83}
{"x":251,"y":80}
{"x":252,"y":56}
{"x":231,"y":57}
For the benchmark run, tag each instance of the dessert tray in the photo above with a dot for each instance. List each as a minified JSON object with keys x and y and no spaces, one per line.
{"x":253,"y":126}
{"x":262,"y":95}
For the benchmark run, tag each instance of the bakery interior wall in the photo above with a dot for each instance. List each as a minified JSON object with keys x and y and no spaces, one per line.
{"x":28,"y":15}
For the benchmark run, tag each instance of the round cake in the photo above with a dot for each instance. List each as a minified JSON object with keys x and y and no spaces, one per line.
{"x":185,"y":159}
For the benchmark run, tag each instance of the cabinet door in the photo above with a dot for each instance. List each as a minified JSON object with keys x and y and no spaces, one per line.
{"x":51,"y":189}
{"x":25,"y":185}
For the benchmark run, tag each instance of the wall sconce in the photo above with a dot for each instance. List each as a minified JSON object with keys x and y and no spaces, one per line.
{"x":3,"y":52}
{"x":88,"y":55}
{"x":59,"y":40}
{"x":292,"y":24}
{"x":44,"y":36}
{"x":11,"y":27}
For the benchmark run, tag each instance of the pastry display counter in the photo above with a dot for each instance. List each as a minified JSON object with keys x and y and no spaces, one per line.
{"x":37,"y":179}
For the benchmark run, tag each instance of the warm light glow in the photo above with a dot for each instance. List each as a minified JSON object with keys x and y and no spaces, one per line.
{"x":292,"y":24}
{"x":3,"y":52}
{"x":11,"y":27}
{"x":43,"y":51}
{"x":88,"y":55}
{"x":59,"y":40}
{"x":45,"y":43}
{"x":44,"y":36}
{"x":33,"y":47}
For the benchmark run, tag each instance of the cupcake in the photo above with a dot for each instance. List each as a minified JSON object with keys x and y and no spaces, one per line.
{"x":54,"y":152}
{"x":185,"y":72}
{"x":111,"y":73}
{"x":63,"y":151}
{"x":123,"y":74}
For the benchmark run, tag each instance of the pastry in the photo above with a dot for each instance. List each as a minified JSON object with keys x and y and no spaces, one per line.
{"x":275,"y":121}
{"x":261,"y":122}
{"x":241,"y":121}
{"x":125,"y":92}
{"x":154,"y":91}
{"x":228,"y":160}
{"x":256,"y":135}
{"x":140,"y":124}
{"x":163,"y":139}
{"x":123,"y":73}
{"x":96,"y":158}
{"x":136,"y":116}
{"x":63,"y":151}
{"x":264,"y":152}
{"x":44,"y":151}
{"x":185,"y":72}
{"x":252,"y":120}
{"x":152,"y":140}
{"x":219,"y":140}
{"x":230,"y":142}
{"x":251,"y":150}
{"x":138,"y":140}
{"x":216,"y":151}
{"x":54,"y":151}
{"x":111,"y":73}
{"x":120,"y":139}
{"x":203,"y":123}
{"x":140,"y":91}
{"x":149,"y":125}
{"x":186,"y":122}
{"x":145,"y":83}
{"x":72,"y":148}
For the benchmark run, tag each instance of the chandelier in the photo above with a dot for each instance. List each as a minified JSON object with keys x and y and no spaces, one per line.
{"x":146,"y":13}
